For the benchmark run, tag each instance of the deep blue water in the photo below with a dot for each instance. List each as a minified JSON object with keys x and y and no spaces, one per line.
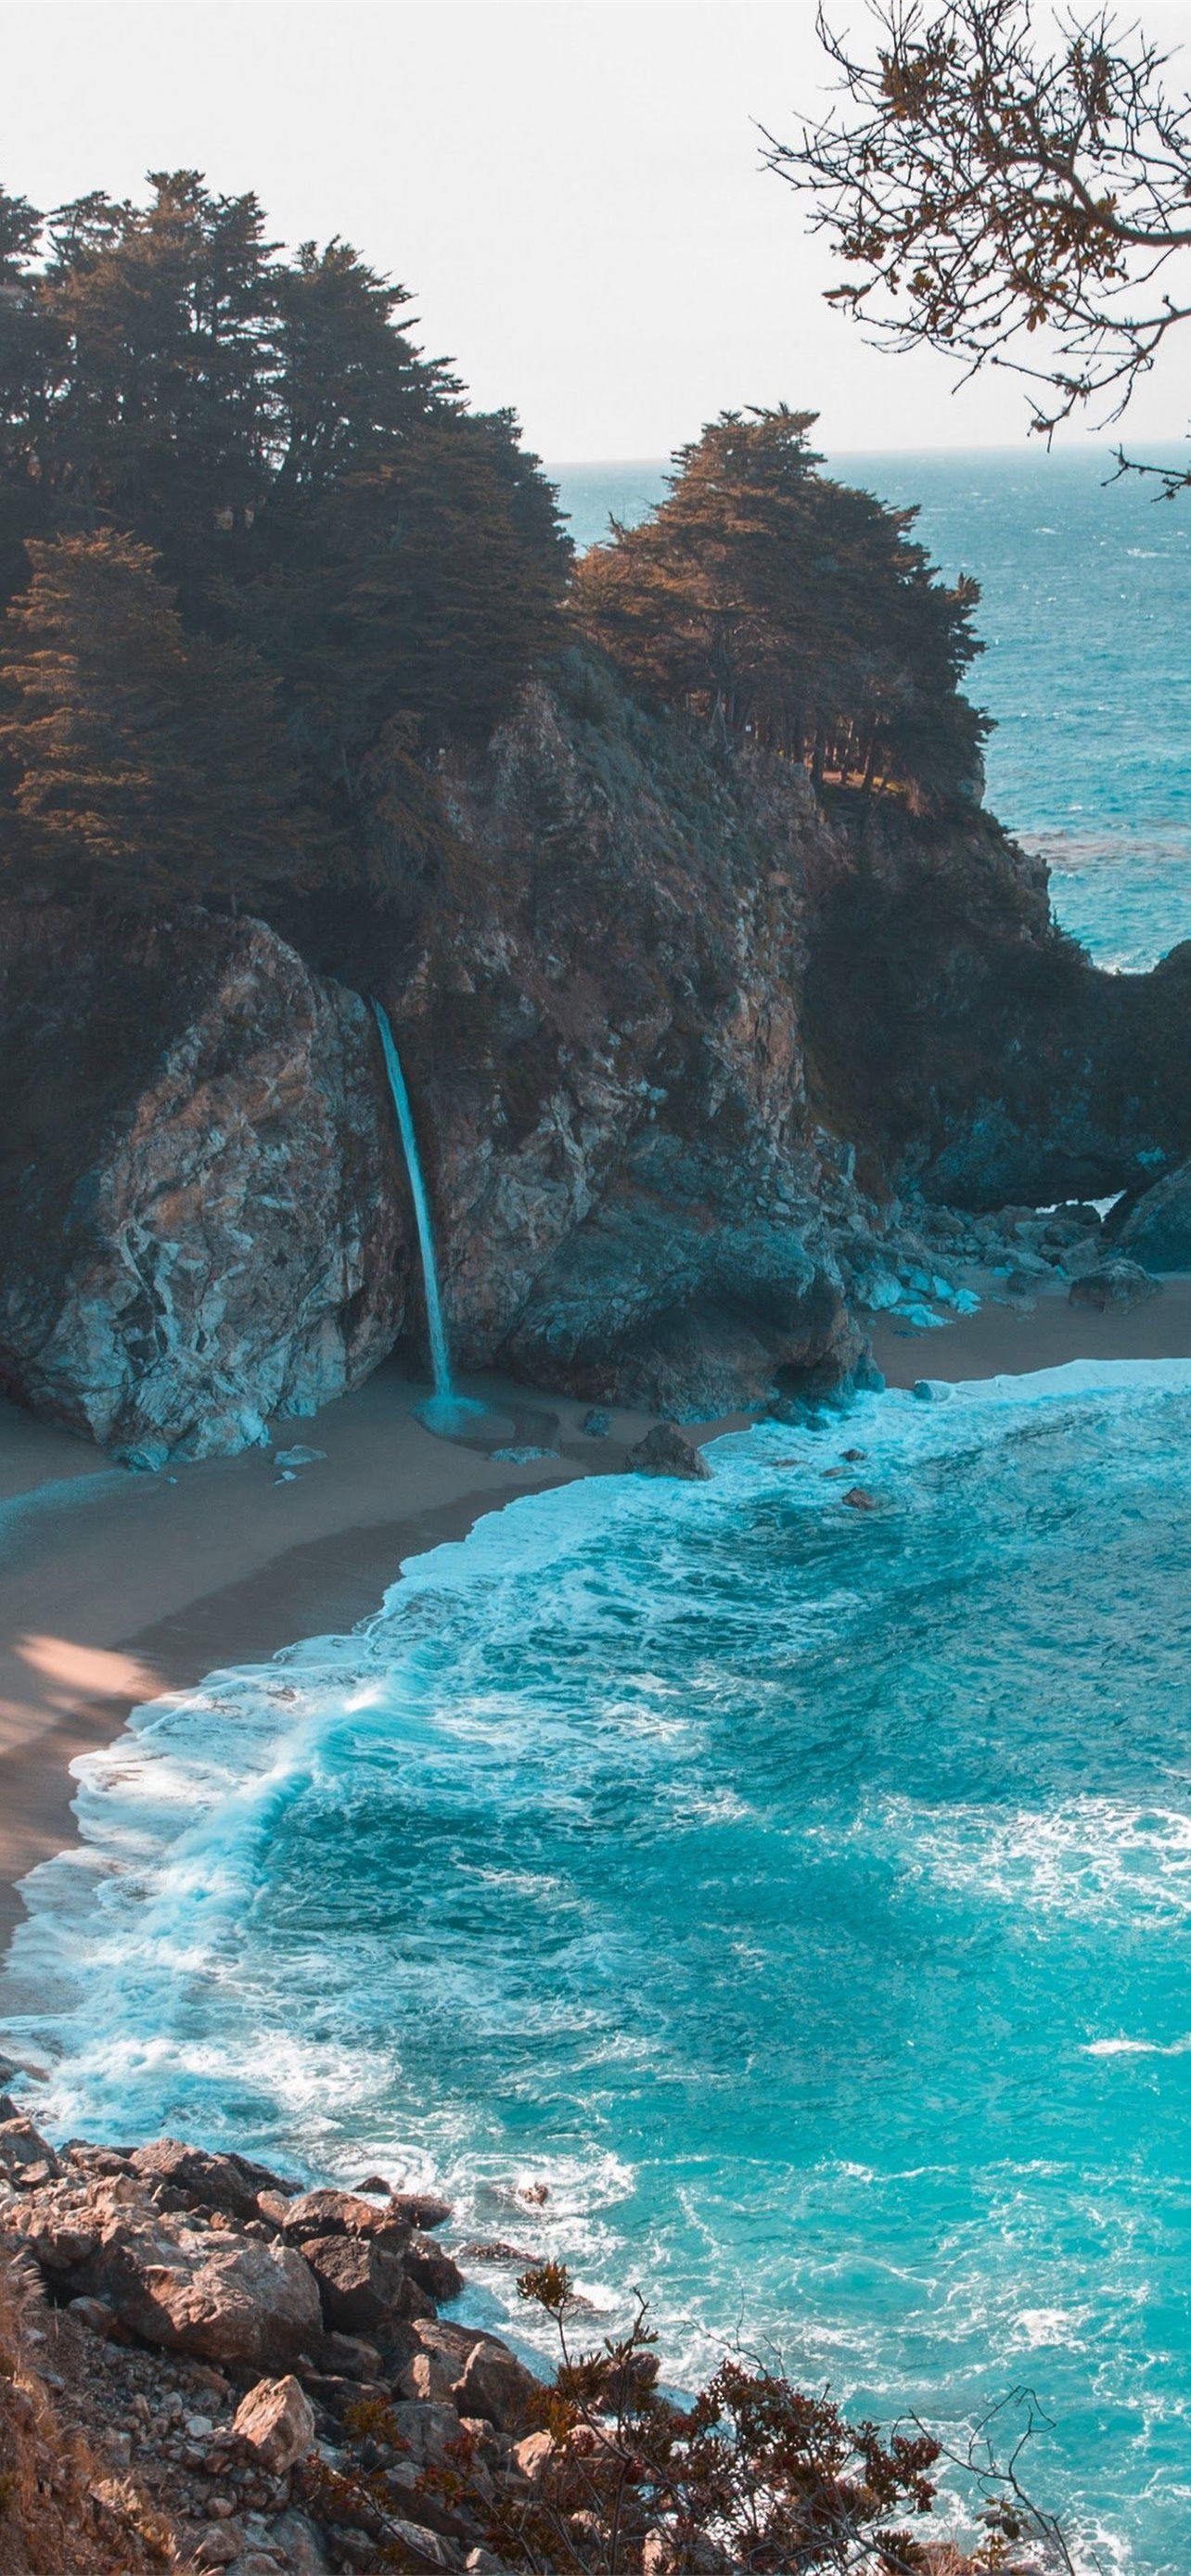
{"x":1086,"y":619}
{"x":802,"y":1897}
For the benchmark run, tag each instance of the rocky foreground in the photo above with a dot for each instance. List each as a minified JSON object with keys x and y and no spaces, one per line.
{"x":203,"y":2366}
{"x":205,"y":2339}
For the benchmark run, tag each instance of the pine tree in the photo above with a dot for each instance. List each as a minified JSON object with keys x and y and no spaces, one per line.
{"x":348,"y":550}
{"x":784,"y":609}
{"x":144,"y":761}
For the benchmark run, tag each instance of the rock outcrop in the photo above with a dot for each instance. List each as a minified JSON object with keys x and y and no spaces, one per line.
{"x":428,"y":2446}
{"x":202,"y":1212}
{"x":1157,"y":1228}
{"x":666,"y":1451}
{"x":679,"y":1037}
{"x":202,"y":2314}
{"x":971,"y":1049}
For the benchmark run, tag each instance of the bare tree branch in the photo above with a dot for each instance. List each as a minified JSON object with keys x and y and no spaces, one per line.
{"x":982,"y":191}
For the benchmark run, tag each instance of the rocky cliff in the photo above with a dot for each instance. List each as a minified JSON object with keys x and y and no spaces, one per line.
{"x":971,"y":1048}
{"x":199,"y":1187}
{"x":658,"y":1006}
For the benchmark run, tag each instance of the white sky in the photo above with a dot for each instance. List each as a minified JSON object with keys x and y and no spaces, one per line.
{"x":571,"y":187}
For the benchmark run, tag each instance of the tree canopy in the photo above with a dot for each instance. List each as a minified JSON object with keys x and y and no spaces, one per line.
{"x":248,"y":450}
{"x":1013,"y":202}
{"x":790,"y":611}
{"x":141,"y":756}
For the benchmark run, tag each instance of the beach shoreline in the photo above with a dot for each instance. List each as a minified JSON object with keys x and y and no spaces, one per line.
{"x":119,"y":1587}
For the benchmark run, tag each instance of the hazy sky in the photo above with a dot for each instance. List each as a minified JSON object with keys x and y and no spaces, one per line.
{"x":571,"y":187}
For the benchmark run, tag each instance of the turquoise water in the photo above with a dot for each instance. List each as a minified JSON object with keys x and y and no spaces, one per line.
{"x":802,"y":1896}
{"x":1086,"y":617}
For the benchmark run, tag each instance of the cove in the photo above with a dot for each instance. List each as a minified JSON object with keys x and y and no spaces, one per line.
{"x":801,"y":1896}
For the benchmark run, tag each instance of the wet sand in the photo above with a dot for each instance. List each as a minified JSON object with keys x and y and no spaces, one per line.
{"x":116,"y":1586}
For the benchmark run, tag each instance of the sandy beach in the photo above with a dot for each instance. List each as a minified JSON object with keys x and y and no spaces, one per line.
{"x":1007,"y":1336}
{"x":116,"y":1586}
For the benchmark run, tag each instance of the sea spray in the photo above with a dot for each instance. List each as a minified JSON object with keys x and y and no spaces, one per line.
{"x":802,"y":1899}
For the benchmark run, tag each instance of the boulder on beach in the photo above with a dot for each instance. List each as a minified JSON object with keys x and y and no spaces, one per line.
{"x":1114,"y":1287}
{"x":1157,"y":1231}
{"x":666,"y":1451}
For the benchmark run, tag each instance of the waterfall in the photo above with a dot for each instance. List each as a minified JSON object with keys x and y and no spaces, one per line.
{"x":440,"y":1356}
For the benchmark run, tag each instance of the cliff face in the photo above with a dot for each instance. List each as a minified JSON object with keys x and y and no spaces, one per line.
{"x":649,"y":1001}
{"x":199,"y":1190}
{"x":973,"y":1050}
{"x":607,"y":1052}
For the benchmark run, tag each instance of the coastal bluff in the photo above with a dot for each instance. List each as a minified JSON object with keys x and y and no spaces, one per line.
{"x":691,"y":1048}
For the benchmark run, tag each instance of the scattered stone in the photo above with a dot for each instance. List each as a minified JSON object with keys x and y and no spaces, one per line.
{"x":533,"y":2455}
{"x":344,"y":2213}
{"x":918,"y":1319}
{"x":219,"y":2295}
{"x":425,"y":2547}
{"x":859,"y":1499}
{"x":433,"y":2270}
{"x":495,"y":2250}
{"x":25,"y":2159}
{"x":932,"y":1390}
{"x":428,"y":2426}
{"x":298,"y":1457}
{"x":298,"y":2538}
{"x":666,"y":1451}
{"x":420,"y":2208}
{"x":496,"y":2385}
{"x":275,"y":2421}
{"x":350,"y":2356}
{"x":227,"y":2182}
{"x":1114,"y":1287}
{"x":361,"y":2286}
{"x":220,"y":2547}
{"x":428,"y":2379}
{"x":597,"y":1424}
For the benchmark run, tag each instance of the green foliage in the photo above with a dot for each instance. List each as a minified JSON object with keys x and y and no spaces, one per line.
{"x":352,"y":555}
{"x":787,"y":610}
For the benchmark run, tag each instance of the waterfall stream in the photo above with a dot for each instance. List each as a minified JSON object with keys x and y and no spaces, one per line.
{"x":440,"y":1356}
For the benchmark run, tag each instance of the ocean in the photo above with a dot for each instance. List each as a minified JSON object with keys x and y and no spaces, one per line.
{"x":802,"y":1897}
{"x":1087,"y":664}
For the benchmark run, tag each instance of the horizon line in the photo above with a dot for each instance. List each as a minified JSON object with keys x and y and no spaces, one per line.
{"x":1005,"y":447}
